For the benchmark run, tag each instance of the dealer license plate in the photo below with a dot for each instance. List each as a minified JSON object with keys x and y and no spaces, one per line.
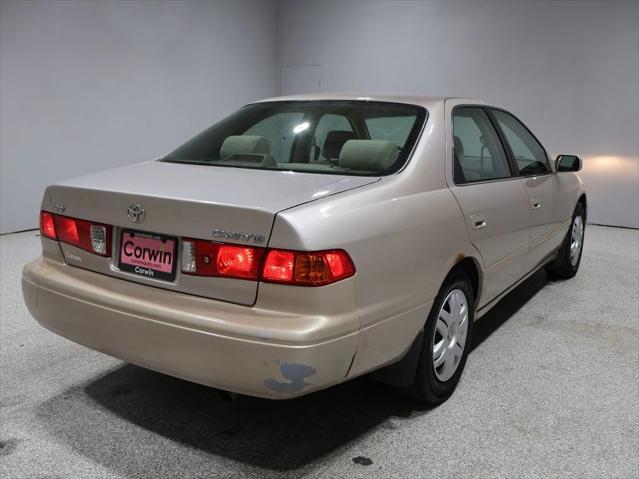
{"x":149,"y":255}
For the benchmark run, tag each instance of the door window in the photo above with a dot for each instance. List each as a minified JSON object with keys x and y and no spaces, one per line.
{"x":528,"y":154}
{"x":478,"y":153}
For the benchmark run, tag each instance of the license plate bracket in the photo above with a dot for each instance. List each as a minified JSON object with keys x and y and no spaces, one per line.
{"x":148,"y":255}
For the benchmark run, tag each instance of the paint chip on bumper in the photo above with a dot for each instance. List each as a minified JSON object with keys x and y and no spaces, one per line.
{"x":294,"y":374}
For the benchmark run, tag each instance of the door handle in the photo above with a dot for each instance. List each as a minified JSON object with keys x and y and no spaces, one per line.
{"x":478,"y":221}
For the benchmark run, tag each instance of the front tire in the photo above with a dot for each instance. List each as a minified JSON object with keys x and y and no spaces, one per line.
{"x":566,"y":264}
{"x":447,"y":339}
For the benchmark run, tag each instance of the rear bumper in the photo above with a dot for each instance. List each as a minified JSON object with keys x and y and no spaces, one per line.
{"x":226,"y":346}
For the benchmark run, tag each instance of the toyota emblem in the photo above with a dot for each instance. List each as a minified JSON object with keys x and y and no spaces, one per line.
{"x":135,"y":213}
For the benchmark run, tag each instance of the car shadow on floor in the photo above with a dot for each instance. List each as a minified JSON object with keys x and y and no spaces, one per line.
{"x":108,"y":419}
{"x":507,"y":307}
{"x":112,"y":415}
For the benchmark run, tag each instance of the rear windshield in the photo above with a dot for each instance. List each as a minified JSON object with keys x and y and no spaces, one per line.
{"x":338,"y":137}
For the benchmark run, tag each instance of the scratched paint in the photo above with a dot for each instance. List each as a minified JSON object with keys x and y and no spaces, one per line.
{"x":294,"y":375}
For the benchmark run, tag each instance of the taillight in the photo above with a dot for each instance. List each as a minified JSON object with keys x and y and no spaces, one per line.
{"x":238,"y":261}
{"x":307,"y":268}
{"x":47,"y":227}
{"x":207,"y":258}
{"x":279,"y":266}
{"x":92,"y":237}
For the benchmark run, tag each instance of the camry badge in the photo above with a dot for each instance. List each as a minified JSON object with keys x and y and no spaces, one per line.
{"x":234,"y":235}
{"x":135,"y":213}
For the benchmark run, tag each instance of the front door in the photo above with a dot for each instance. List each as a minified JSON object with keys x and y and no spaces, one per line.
{"x":541,"y":184}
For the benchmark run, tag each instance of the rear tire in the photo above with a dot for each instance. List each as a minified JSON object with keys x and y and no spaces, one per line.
{"x":447,"y":339}
{"x":566,"y":264}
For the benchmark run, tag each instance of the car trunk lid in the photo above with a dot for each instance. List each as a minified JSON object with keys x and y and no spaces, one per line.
{"x":232,"y":205}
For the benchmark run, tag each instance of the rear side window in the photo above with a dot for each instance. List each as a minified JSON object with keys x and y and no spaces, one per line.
{"x":346,"y":137}
{"x":528,"y":153}
{"x":478,"y":153}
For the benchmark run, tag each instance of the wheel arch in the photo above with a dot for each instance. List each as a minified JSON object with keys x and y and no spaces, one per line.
{"x":471,"y":268}
{"x":402,"y":372}
{"x":584,"y":201}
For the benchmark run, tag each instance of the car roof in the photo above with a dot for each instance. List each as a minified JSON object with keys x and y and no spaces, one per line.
{"x":421,"y":100}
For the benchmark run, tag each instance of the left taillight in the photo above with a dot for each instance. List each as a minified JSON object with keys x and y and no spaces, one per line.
{"x":87,"y":235}
{"x":47,"y":226}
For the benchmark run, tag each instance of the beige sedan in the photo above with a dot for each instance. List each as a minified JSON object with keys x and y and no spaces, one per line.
{"x":307,"y":240}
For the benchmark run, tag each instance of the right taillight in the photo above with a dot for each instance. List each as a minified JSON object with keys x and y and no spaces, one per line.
{"x":300,"y":268}
{"x":208,"y":258}
{"x":279,"y":266}
{"x":318,"y":268}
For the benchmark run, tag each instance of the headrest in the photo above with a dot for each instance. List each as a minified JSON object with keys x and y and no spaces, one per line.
{"x":459,"y":147}
{"x":335,"y":141}
{"x":370,"y":155}
{"x":244,"y":145}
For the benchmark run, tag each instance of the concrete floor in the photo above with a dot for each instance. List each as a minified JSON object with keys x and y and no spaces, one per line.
{"x":551,"y":389}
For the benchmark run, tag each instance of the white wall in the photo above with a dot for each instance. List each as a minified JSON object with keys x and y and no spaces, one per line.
{"x":89,"y":85}
{"x":570,"y":70}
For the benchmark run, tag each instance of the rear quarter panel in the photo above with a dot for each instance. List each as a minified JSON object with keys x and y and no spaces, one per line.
{"x":404,"y":234}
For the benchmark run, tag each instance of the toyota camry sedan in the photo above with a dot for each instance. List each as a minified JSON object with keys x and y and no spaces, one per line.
{"x":304,"y":241}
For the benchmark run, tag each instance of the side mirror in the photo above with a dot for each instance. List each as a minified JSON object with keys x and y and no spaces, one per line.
{"x":567,"y":163}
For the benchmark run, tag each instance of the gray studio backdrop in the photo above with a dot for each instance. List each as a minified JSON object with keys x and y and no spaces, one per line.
{"x":89,"y":85}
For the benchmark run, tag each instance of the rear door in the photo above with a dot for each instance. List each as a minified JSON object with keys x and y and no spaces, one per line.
{"x":540,"y":183}
{"x":492,"y":198}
